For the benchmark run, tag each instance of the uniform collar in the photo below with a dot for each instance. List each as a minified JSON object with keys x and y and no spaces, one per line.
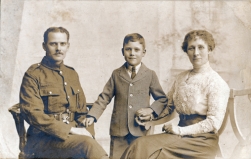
{"x":47,"y":62}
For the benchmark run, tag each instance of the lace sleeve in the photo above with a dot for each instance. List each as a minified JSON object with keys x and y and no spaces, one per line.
{"x":170,"y":106}
{"x":217,"y":96}
{"x":169,"y":95}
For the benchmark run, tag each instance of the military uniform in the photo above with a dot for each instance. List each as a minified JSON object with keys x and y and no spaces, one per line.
{"x":52,"y":101}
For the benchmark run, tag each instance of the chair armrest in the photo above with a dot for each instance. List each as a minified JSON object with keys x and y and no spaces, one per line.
{"x":19,"y":122}
{"x":15,"y":109}
{"x":232,"y":112}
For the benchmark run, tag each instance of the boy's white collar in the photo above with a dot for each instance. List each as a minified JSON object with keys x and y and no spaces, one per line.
{"x":129,"y":68}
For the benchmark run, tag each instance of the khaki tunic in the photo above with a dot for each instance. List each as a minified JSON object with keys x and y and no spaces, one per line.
{"x":46,"y":90}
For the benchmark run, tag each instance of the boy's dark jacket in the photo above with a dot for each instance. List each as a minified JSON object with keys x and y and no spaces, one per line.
{"x":130,"y":95}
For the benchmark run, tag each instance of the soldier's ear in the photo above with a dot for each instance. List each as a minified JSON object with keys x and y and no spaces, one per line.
{"x":122,"y":51}
{"x":68,"y":45}
{"x":44,"y":47}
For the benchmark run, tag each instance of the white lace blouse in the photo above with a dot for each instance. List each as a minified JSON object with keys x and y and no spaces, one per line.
{"x":202,"y":92}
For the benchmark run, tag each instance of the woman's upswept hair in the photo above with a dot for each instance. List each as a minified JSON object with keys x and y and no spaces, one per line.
{"x":202,"y":34}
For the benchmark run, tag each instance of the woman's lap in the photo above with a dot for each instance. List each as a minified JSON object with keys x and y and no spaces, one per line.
{"x":173,"y":146}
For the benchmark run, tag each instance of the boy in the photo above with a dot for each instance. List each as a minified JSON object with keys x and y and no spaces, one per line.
{"x":131,"y":85}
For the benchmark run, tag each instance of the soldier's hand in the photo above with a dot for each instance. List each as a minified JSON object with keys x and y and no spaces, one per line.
{"x":80,"y":131}
{"x":88,"y":121}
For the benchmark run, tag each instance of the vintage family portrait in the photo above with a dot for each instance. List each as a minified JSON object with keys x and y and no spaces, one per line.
{"x":125,"y":79}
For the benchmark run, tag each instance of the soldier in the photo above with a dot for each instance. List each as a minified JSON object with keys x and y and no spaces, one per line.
{"x":52,"y":101}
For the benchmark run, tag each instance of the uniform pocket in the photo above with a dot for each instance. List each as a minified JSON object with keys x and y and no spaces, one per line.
{"x":75,"y":89}
{"x":75,"y":101}
{"x":50,"y":96}
{"x":49,"y":91}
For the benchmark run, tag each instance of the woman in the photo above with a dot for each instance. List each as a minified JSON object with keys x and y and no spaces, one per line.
{"x":200,"y":98}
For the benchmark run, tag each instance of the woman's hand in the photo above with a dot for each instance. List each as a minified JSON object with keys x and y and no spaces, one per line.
{"x":171,"y":129}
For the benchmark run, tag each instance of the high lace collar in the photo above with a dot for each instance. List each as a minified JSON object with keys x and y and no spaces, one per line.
{"x":204,"y":68}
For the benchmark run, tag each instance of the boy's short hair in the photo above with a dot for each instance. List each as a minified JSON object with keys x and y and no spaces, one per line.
{"x":134,"y":37}
{"x":202,"y":34}
{"x":55,"y":29}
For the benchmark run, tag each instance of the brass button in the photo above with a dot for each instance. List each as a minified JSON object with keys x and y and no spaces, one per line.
{"x":50,"y":92}
{"x":131,"y":95}
{"x":131,"y":84}
{"x":130,"y":106}
{"x":65,"y":83}
{"x":68,"y":97}
{"x":61,"y":72}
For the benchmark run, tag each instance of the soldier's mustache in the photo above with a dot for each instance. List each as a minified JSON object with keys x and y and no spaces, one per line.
{"x":59,"y":52}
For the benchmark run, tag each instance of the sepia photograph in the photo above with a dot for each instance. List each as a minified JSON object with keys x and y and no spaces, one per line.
{"x":109,"y":79}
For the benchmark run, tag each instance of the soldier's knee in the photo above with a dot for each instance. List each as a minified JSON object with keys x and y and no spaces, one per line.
{"x":90,"y":141}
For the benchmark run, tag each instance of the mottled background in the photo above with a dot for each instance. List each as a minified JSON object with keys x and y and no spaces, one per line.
{"x":97,"y":29}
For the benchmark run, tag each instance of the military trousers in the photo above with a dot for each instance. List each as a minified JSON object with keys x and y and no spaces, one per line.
{"x":75,"y":146}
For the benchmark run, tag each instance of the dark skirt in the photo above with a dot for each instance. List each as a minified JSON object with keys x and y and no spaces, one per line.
{"x":169,"y":146}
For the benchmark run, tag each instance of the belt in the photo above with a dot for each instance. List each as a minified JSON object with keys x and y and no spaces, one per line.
{"x":186,"y":120}
{"x":65,"y":117}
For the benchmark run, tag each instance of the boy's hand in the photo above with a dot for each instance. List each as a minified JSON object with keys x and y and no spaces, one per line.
{"x":88,"y":121}
{"x":144,"y":112}
{"x":144,"y":118}
{"x":143,"y":122}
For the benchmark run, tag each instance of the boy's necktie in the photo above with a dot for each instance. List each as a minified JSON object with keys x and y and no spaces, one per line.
{"x":133,"y":72}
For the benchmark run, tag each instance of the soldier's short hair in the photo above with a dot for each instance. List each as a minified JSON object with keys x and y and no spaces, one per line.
{"x":55,"y":29}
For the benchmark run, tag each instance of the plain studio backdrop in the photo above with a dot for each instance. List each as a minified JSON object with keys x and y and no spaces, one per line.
{"x":97,"y":29}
